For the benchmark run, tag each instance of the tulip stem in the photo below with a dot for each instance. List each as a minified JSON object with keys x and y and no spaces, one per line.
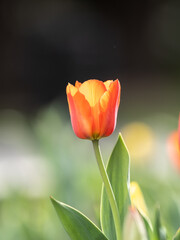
{"x":108,"y":188}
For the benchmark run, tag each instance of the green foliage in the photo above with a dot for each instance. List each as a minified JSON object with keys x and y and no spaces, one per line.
{"x":76,"y":224}
{"x":27,"y":217}
{"x":159,"y":230}
{"x":118,"y":172}
{"x":148,"y":226}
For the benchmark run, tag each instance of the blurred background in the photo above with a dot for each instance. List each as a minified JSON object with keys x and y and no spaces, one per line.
{"x":46,"y":44}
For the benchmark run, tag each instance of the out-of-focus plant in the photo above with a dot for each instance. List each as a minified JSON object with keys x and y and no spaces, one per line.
{"x":174,"y":147}
{"x":135,"y":135}
{"x":93,"y":109}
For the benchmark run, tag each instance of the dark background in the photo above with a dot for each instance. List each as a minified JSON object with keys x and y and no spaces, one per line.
{"x":45,"y":44}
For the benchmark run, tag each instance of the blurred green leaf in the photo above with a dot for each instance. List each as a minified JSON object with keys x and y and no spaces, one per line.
{"x":76,"y":224}
{"x":119,"y":176}
{"x":159,"y":230}
{"x":177,"y":235}
{"x":148,"y":226}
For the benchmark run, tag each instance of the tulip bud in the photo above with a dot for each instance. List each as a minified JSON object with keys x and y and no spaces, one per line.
{"x":138,"y":202}
{"x":137,"y":199}
{"x":93,"y":107}
{"x":173,"y":147}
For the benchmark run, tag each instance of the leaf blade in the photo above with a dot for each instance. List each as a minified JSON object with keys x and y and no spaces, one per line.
{"x":159,"y":230}
{"x":77,"y":225}
{"x":119,"y":176}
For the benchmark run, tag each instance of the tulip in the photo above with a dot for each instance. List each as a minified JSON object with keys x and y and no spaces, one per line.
{"x":137,"y":199}
{"x":93,"y":107}
{"x":173,"y":147}
{"x":138,"y":202}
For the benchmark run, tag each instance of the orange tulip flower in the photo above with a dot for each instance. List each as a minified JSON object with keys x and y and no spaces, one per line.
{"x":93,"y":107}
{"x":174,"y":147}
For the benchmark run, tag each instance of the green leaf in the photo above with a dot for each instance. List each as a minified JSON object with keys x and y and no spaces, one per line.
{"x":77,"y":225}
{"x":148,"y":226}
{"x":159,"y":230}
{"x":177,"y":235}
{"x":119,"y":176}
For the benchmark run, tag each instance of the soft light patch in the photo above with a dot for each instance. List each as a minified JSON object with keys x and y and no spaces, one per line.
{"x":140,"y":141}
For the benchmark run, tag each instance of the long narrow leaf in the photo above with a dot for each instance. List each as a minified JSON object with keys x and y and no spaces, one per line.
{"x":148,"y":226}
{"x":118,"y":172}
{"x":77,"y":225}
{"x":159,"y":230}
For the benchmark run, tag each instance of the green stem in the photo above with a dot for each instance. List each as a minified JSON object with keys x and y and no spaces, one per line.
{"x":108,"y":188}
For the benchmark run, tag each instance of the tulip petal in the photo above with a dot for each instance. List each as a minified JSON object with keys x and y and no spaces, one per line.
{"x":77,"y":84}
{"x":173,"y":149}
{"x":70,"y":89}
{"x":107,"y":83}
{"x":109,"y":104}
{"x":92,"y":90}
{"x":80,"y":112}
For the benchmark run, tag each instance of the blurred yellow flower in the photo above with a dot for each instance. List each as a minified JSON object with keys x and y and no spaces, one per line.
{"x":138,"y":202}
{"x":137,"y":199}
{"x":134,"y":226}
{"x":140,"y":141}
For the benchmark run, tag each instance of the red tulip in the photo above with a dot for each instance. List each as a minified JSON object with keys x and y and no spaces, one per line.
{"x":174,"y":147}
{"x":93,"y":107}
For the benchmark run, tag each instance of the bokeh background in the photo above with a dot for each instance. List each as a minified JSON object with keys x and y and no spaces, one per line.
{"x":46,"y":44}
